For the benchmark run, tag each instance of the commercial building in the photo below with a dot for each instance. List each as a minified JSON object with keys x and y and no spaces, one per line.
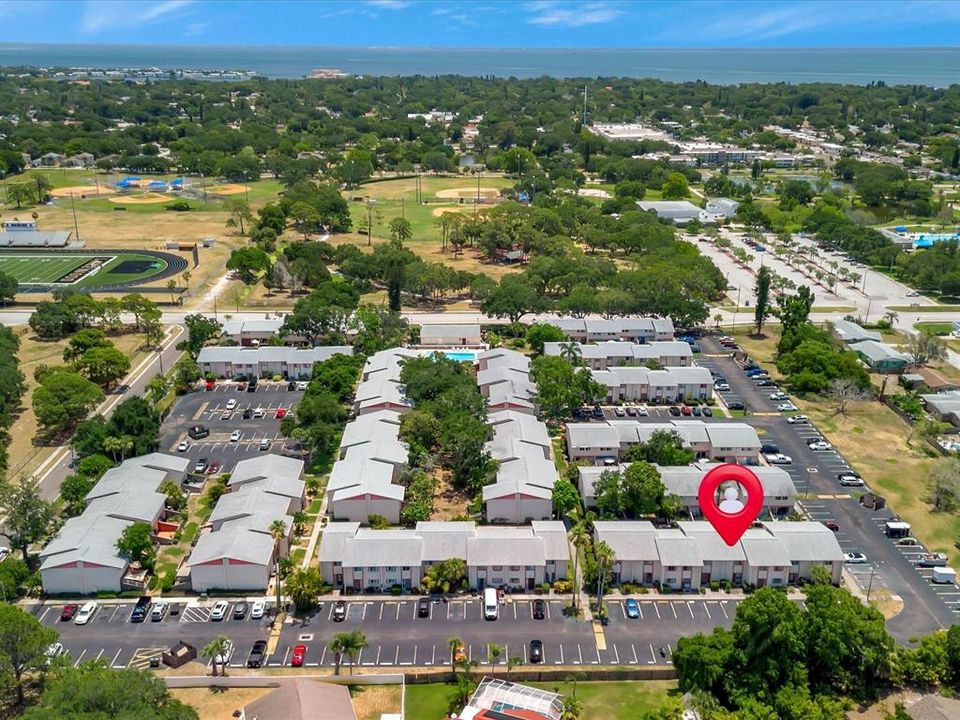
{"x":850,"y":332}
{"x":237,"y":552}
{"x":680,"y":212}
{"x":692,"y":555}
{"x":715,"y":154}
{"x":497,"y":556}
{"x":603,"y":443}
{"x":672,"y":384}
{"x":881,"y":357}
{"x":683,"y":481}
{"x":83,"y":558}
{"x":290,"y":363}
{"x":631,"y":329}
{"x":628,"y":131}
{"x":612,"y":353}
{"x":721,"y":207}
{"x":458,"y":335}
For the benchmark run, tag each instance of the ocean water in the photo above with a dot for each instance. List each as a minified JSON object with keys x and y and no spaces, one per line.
{"x":938,"y":67}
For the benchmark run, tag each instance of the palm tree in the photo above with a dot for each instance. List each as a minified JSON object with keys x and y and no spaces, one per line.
{"x":217,"y":649}
{"x":337,"y":647}
{"x":303,"y":586}
{"x":278,"y":531}
{"x":493,"y":652}
{"x":357,"y":641}
{"x":157,"y":388}
{"x":572,"y":708}
{"x":718,"y":318}
{"x":891,"y":317}
{"x":114,"y":445}
{"x":605,"y":561}
{"x":579,"y":536}
{"x":453,"y":644}
{"x":571,"y":352}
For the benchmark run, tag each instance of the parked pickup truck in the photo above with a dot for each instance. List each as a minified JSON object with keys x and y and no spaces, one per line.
{"x":141,"y":609}
{"x":932,"y":560}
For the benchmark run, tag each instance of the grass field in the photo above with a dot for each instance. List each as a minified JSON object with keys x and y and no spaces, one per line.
{"x":48,"y":268}
{"x":614,"y":700}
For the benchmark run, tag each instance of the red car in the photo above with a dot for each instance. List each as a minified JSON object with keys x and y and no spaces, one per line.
{"x":832,"y":524}
{"x":211,"y":384}
{"x":66,"y":615}
{"x":686,"y":410}
{"x":214,"y":468}
{"x":281,"y":413}
{"x":299,"y":652}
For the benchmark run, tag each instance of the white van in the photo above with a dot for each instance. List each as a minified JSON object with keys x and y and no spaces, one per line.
{"x":491,"y":605}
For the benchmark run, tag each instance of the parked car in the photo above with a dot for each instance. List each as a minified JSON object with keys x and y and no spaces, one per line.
{"x":257,"y":652}
{"x":183,"y":446}
{"x":86,"y":613}
{"x":631,"y":411}
{"x":539,"y":609}
{"x":777,"y":396}
{"x":258,"y":412}
{"x":721,"y":387}
{"x":219,"y":611}
{"x":850,"y":479}
{"x":752,"y":371}
{"x":340,"y":611}
{"x":675,"y":411}
{"x":787,"y":407}
{"x":257,"y":609}
{"x":633,"y":608}
{"x":779,"y":459}
{"x":299,"y":653}
{"x":423,"y":607}
{"x":707,"y":411}
{"x":819,"y":445}
{"x":597,"y":412}
{"x":697,"y":412}
{"x":536,"y":651}
{"x":736,"y":405}
{"x":247,"y":414}
{"x":53,"y":652}
{"x":686,"y":410}
{"x":198,"y":432}
{"x":831,"y":524}
{"x":214,"y":468}
{"x":265,"y":443}
{"x":235,"y":436}
{"x":69,"y":610}
{"x":211,"y":384}
{"x":291,"y":385}
{"x":141,"y":609}
{"x":769,"y":448}
{"x":854,"y":558}
{"x":619,"y":412}
{"x":159,"y":610}
{"x":459,"y":653}
{"x":798,"y":420}
{"x":302,"y":385}
{"x":226,"y":415}
{"x":239,"y":611}
{"x":231,"y":404}
{"x":766,"y":382}
{"x":280,"y":414}
{"x":937,"y":559}
{"x":908,"y":541}
{"x":201,"y":466}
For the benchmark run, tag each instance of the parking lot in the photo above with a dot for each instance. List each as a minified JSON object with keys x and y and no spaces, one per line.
{"x":221,"y":411}
{"x":397,"y":636}
{"x":927,"y":606}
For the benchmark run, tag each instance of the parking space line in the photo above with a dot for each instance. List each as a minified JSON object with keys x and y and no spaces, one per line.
{"x":690,"y":608}
{"x":115,"y":610}
{"x":616,"y":654}
{"x":363,"y":615}
{"x":44,"y":614}
{"x":398,"y":613}
{"x":113,"y":663}
{"x":433,"y":654}
{"x":381,"y":611}
{"x":514,"y":610}
{"x":707,"y":609}
{"x":674,"y":608}
{"x":634,"y":648}
{"x":80,"y":658}
{"x":323,"y":654}
{"x":559,"y":662}
{"x":722,"y":603}
{"x":580,"y":655}
{"x":658,"y":611}
{"x":653,"y":658}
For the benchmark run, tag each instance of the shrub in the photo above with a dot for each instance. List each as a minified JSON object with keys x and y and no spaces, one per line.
{"x":562,"y":586}
{"x":714,"y":585}
{"x":178,"y":206}
{"x":396,"y":590}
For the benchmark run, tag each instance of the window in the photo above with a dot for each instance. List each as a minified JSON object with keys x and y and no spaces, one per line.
{"x":671,"y":568}
{"x":514,"y":568}
{"x":392,"y":568}
{"x":406,"y":567}
{"x":337,"y":563}
{"x":373,"y":568}
{"x":497,"y":568}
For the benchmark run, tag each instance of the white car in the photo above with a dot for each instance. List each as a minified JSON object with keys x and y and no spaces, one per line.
{"x":53,"y":652}
{"x":231,"y":404}
{"x":854,"y":558}
{"x":85,"y":613}
{"x":798,"y":420}
{"x":787,"y":407}
{"x":913,"y":294}
{"x":642,"y":411}
{"x":265,"y":444}
{"x":779,"y":396}
{"x":219,"y":611}
{"x":302,"y":385}
{"x":235,"y":436}
{"x":819,"y":445}
{"x":258,"y":413}
{"x":721,"y":387}
{"x":778,"y":459}
{"x":849,"y":479}
{"x":257,"y":608}
{"x":158,"y":611}
{"x":183,"y":446}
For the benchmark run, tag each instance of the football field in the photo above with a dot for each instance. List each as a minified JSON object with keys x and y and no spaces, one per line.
{"x":40,"y":269}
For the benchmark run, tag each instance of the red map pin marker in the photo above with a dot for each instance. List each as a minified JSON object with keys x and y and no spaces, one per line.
{"x":730,"y":525}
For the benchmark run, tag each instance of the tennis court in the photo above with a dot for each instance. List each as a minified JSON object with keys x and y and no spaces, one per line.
{"x":41,"y":269}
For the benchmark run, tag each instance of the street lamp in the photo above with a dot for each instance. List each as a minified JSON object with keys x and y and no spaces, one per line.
{"x":874,"y":569}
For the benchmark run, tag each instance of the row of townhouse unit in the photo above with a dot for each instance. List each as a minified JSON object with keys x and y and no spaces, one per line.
{"x":523,"y":489}
{"x":692,"y":555}
{"x":358,"y":559}
{"x":633,"y":329}
{"x":380,"y":387}
{"x":670,"y":385}
{"x":683,"y":481}
{"x":614,"y":353}
{"x":83,"y":558}
{"x":236,"y":550}
{"x":290,"y":363}
{"x":603,"y":443}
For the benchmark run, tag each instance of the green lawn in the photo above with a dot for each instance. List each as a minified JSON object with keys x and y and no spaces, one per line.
{"x":935,"y":328}
{"x":614,"y":700}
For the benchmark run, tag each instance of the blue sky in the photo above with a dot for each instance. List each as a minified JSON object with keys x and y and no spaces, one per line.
{"x":488,"y":23}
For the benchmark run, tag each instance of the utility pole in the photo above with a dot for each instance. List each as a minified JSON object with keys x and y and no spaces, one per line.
{"x":584,"y":119}
{"x":73,"y":206}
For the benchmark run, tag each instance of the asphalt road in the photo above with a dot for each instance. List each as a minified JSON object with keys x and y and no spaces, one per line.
{"x":396,"y":636}
{"x":926,"y":606}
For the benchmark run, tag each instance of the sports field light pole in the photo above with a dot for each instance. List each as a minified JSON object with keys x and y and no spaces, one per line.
{"x":73,"y":206}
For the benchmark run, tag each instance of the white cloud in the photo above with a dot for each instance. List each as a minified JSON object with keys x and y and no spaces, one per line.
{"x":389,"y":4}
{"x":197,"y":28}
{"x":572,"y":14}
{"x":99,"y":16}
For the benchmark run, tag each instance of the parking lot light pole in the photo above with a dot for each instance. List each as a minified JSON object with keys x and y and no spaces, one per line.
{"x":875,"y":568}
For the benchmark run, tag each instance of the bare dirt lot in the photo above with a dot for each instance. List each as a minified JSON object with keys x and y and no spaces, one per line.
{"x":144,"y":199}
{"x":228,"y":189}
{"x":79,"y":191}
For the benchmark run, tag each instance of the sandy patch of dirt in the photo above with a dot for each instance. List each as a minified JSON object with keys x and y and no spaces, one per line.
{"x":82,"y":191}
{"x":218,"y":704}
{"x":437,"y":212}
{"x":372,"y":701}
{"x":145,"y":199}
{"x":448,"y":502}
{"x":228,"y":189}
{"x":488,"y":193}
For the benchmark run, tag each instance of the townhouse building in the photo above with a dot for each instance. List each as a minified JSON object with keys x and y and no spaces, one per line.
{"x":631,"y":329}
{"x":290,"y":363}
{"x":615,"y":353}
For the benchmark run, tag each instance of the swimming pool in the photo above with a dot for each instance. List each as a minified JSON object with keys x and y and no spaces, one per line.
{"x":461,"y":355}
